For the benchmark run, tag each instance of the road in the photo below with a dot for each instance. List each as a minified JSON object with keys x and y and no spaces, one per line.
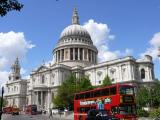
{"x":32,"y":117}
{"x":43,"y":117}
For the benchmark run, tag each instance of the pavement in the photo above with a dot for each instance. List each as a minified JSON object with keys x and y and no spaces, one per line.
{"x":46,"y":117}
{"x":37,"y":117}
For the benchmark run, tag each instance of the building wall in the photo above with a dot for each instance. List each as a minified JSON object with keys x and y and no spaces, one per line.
{"x":120,"y":71}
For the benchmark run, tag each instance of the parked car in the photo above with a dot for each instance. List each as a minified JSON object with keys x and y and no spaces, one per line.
{"x":94,"y":114}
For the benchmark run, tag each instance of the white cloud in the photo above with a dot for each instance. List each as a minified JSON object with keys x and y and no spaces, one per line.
{"x":3,"y":77}
{"x":12,"y":45}
{"x":23,"y":71}
{"x":101,"y":36}
{"x":50,"y":62}
{"x":26,"y":77}
{"x":154,"y":44}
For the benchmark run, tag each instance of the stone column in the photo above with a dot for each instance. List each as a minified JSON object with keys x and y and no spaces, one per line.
{"x":149,"y":73}
{"x":60,"y":55}
{"x":87,"y":55}
{"x":78,"y":53}
{"x":120,"y":74}
{"x":57,"y":55}
{"x":132,"y":71}
{"x":73,"y":53}
{"x":49,"y":99}
{"x":91,"y":52}
{"x":69,"y":53}
{"x":94,"y":57}
{"x":83,"y":54}
{"x":42,"y":99}
{"x":37,"y":102}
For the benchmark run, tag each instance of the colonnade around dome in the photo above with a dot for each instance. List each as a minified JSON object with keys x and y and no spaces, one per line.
{"x":76,"y":53}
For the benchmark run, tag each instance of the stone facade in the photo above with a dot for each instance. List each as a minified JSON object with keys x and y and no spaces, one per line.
{"x":75,"y":53}
{"x":16,"y":87}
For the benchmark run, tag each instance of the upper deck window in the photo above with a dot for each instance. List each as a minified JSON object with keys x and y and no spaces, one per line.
{"x":126,"y":90}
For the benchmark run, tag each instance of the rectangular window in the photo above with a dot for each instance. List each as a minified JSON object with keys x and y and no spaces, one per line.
{"x":87,"y":95}
{"x":81,"y":96}
{"x":105,"y":92}
{"x":97,"y":93}
{"x":112,"y":90}
{"x":126,"y":90}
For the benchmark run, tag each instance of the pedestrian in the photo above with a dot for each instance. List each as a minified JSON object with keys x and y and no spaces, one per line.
{"x":50,"y":114}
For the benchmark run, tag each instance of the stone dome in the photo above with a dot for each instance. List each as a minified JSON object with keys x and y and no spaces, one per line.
{"x":75,"y":46}
{"x":75,"y":30}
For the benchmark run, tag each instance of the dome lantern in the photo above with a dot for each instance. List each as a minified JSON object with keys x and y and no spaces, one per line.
{"x":75,"y":18}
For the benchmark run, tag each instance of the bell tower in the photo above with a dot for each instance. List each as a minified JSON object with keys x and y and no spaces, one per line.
{"x":15,"y":71}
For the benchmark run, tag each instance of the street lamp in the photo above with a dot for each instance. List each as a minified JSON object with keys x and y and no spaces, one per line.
{"x":159,"y":51}
{"x":1,"y":103}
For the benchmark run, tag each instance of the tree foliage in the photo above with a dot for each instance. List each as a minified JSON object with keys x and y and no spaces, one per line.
{"x":143,"y":97}
{"x":149,"y":96}
{"x":9,"y":5}
{"x":106,"y":81}
{"x":84,"y":84}
{"x":155,"y":95}
{"x":4,"y":101}
{"x":65,"y":93}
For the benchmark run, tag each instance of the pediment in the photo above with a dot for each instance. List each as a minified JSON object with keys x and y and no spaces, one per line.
{"x":42,"y":68}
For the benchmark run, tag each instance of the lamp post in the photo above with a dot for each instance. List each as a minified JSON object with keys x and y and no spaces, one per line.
{"x":159,"y":51}
{"x":1,"y":103}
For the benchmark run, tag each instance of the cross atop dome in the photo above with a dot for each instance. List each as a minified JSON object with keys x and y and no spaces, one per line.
{"x":75,"y":18}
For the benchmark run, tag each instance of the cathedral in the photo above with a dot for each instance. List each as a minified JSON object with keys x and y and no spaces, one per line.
{"x":74,"y":53}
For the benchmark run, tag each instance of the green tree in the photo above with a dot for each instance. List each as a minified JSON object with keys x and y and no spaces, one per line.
{"x":4,"y":101}
{"x":84,"y":84}
{"x":143,"y":97}
{"x":9,"y":5}
{"x":65,"y":93}
{"x":155,"y":94}
{"x":106,"y":81}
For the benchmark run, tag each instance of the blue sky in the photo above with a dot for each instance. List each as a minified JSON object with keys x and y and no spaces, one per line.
{"x":128,"y":27}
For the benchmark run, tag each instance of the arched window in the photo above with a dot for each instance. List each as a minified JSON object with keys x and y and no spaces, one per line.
{"x":42,"y":79}
{"x":142,"y":73}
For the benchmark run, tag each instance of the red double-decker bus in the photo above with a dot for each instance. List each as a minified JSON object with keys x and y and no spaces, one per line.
{"x":117,"y":99}
{"x":31,"y":109}
{"x":7,"y":110}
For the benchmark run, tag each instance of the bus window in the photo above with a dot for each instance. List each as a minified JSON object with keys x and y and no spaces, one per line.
{"x":87,"y":95}
{"x":112,"y":90}
{"x":92,"y":94}
{"x":130,"y":109}
{"x":105,"y":92}
{"x":114,"y":110}
{"x":81,"y":96}
{"x":126,"y":90}
{"x":97,"y":93}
